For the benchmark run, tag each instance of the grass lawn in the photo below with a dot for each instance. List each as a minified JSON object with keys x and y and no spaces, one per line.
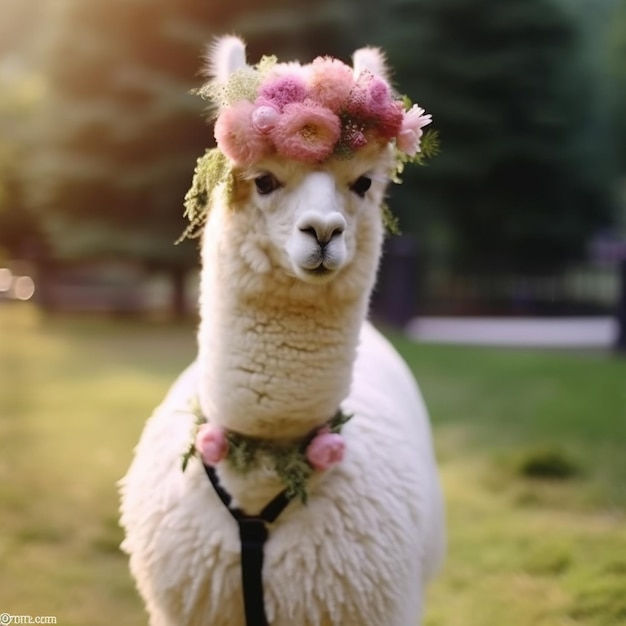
{"x":532,"y":449}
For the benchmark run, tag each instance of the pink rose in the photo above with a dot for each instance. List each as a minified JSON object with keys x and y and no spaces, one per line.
{"x":408,"y":139}
{"x":236,"y":135}
{"x":306,"y":132}
{"x":211,"y":443}
{"x":326,"y":449}
{"x":330,"y":83}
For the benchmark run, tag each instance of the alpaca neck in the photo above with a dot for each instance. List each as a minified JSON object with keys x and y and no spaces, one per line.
{"x":272,"y":366}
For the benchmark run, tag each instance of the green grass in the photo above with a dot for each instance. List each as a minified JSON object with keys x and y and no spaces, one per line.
{"x":531,"y":447}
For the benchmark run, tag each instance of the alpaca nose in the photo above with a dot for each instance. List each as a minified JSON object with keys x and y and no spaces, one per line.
{"x":322,"y":228}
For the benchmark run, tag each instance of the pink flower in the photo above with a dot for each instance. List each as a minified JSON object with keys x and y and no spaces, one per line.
{"x":330,"y":83}
{"x":236,"y":135}
{"x":284,"y":90}
{"x":378,"y":95}
{"x":264,"y":117}
{"x":408,"y":139}
{"x":211,"y":443}
{"x":389,"y":120}
{"x":385,"y":113}
{"x":326,"y":449}
{"x":354,"y":136}
{"x":371,"y":103}
{"x":356,"y":105}
{"x":306,"y":132}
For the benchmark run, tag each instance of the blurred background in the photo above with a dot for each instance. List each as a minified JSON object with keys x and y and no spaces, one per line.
{"x":514,"y":235}
{"x":523,"y":212}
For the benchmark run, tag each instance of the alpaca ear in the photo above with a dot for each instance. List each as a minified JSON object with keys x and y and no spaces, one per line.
{"x":371,"y":60}
{"x":224,"y":56}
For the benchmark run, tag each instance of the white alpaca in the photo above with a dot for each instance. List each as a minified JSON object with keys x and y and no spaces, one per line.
{"x":290,"y":253}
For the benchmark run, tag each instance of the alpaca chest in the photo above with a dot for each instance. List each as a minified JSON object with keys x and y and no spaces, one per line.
{"x":343,"y":559}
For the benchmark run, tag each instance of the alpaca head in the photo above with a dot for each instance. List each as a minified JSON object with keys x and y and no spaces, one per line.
{"x":304,"y":155}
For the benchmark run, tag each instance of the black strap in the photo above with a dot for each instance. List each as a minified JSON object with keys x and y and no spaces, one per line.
{"x":253,"y":534}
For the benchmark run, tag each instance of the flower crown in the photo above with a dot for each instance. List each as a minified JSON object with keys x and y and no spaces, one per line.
{"x":310,"y":113}
{"x":307,"y":113}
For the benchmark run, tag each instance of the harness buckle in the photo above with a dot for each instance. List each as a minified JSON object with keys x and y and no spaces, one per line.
{"x":252,"y":531}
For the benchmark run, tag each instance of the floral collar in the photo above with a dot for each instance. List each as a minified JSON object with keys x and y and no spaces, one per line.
{"x":293,"y":463}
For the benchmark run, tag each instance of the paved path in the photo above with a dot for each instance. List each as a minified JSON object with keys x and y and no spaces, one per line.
{"x":595,"y":332}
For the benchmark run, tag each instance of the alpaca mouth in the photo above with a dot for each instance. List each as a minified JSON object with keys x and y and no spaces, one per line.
{"x":319,"y":274}
{"x":319,"y":271}
{"x":319,"y":266}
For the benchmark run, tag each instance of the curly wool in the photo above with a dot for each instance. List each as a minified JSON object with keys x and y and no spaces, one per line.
{"x":356,"y":554}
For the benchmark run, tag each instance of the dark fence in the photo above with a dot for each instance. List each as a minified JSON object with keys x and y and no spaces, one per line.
{"x":579,"y":290}
{"x":408,"y":288}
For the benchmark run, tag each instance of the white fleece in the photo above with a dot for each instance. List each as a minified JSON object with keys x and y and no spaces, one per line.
{"x":358,"y":554}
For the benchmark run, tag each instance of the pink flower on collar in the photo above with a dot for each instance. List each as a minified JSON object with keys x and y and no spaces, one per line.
{"x":326,"y":449}
{"x":211,"y":443}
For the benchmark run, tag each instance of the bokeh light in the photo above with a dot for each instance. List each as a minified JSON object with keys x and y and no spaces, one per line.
{"x":23,"y":288}
{"x":6,"y":278}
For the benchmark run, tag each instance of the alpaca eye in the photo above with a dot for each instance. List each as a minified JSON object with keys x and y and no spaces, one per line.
{"x":361,"y":185}
{"x":266,"y":183}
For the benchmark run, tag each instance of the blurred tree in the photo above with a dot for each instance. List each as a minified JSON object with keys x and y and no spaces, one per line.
{"x":617,"y":72}
{"x":20,"y":91}
{"x":119,"y":133}
{"x":522,"y":180}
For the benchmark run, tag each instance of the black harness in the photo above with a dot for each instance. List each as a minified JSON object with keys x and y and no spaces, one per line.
{"x":253,"y":533}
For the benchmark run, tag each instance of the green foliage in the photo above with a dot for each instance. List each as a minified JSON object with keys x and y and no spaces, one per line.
{"x":21,"y":91}
{"x":212,"y":171}
{"x":429,"y":148}
{"x":616,"y":62}
{"x":119,"y":133}
{"x":243,"y":84}
{"x":513,"y":87}
{"x":523,"y":179}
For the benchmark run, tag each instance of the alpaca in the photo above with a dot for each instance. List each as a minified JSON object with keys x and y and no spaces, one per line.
{"x":290,"y":205}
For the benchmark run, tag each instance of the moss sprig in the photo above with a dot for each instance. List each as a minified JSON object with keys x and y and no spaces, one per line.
{"x":212,"y":170}
{"x":243,"y":84}
{"x":429,"y":148}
